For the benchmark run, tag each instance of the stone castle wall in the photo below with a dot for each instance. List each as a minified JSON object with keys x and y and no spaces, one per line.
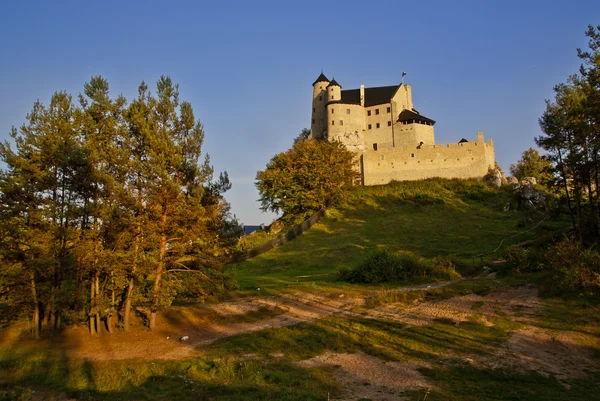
{"x":461,"y":160}
{"x":389,"y":150}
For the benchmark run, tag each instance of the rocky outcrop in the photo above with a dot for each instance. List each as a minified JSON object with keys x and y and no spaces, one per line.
{"x":495,"y":177}
{"x":530,"y":197}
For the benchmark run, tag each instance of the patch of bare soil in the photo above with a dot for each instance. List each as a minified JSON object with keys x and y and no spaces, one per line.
{"x":557,"y":354}
{"x":528,"y":348}
{"x":364,"y":376}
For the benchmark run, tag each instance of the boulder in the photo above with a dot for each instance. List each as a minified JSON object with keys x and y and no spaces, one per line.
{"x":495,"y":176}
{"x":529,"y":181}
{"x":530,"y":197}
{"x":513,"y":180}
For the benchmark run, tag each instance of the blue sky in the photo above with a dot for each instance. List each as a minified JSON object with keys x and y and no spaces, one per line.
{"x":247,"y":67}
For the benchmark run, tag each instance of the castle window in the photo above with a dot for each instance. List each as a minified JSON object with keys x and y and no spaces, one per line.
{"x":389,"y":109}
{"x":314,"y":109}
{"x":332,"y":110}
{"x":332,"y":122}
{"x":376,"y":111}
{"x":389,"y":123}
{"x":347,"y":111}
{"x":313,"y":120}
{"x":412,"y":155}
{"x":341,"y":122}
{"x":377,"y":125}
{"x":369,"y":126}
{"x":368,"y":112}
{"x":374,"y":146}
{"x":331,"y":97}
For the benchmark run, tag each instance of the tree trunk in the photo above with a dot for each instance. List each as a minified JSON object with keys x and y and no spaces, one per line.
{"x":92,"y":301}
{"x":136,"y":250}
{"x":97,"y":316}
{"x":36,"y":308}
{"x":160,"y":268}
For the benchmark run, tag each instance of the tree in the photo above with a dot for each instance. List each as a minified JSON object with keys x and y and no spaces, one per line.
{"x":303,"y":135}
{"x":532,"y":164}
{"x":311,"y":175}
{"x":98,"y":198}
{"x":571,"y":136}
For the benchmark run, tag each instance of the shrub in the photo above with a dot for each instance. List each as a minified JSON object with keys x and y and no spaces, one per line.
{"x":383,"y":266}
{"x":573,"y":267}
{"x":520,"y":260}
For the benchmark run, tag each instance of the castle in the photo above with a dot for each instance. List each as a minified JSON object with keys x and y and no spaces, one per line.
{"x":392,"y":140}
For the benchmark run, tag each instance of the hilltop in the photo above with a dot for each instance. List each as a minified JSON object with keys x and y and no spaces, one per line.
{"x":435,"y":217}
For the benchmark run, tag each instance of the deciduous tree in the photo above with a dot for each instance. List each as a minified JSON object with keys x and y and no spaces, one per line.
{"x":311,"y":175}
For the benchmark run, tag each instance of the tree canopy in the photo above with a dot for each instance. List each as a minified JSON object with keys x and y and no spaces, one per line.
{"x":106,"y":205}
{"x":571,"y":138}
{"x":310,"y":175}
{"x":532,"y":164}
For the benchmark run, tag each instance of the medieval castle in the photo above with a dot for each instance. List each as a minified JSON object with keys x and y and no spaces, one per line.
{"x":392,"y":139}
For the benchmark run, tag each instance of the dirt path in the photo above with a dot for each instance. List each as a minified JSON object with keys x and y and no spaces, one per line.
{"x":205,"y":324}
{"x":530,"y":347}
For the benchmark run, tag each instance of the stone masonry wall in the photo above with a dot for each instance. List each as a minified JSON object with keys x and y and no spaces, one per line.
{"x":465,"y":160}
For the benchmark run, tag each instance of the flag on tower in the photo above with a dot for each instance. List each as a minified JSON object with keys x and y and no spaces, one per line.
{"x":403,"y":73}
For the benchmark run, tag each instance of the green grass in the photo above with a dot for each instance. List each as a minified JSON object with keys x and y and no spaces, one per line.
{"x":197,"y":379}
{"x":424,"y":218}
{"x":388,"y":340}
{"x":467,"y":383}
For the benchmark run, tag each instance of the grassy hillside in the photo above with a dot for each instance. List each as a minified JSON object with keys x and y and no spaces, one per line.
{"x":427,"y":218}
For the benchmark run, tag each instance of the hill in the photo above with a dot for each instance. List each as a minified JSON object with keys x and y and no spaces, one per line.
{"x":459,"y":218}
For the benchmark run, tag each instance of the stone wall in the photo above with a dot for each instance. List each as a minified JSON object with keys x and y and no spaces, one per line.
{"x":346,"y":124}
{"x":318,"y":125}
{"x":465,"y":160}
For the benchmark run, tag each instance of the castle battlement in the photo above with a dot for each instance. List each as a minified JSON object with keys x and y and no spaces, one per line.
{"x":392,"y":139}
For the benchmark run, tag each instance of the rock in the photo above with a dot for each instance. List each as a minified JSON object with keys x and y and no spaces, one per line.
{"x":495,"y":177}
{"x":513,"y":180}
{"x":528,"y":181}
{"x":530,"y":197}
{"x":184,"y":338}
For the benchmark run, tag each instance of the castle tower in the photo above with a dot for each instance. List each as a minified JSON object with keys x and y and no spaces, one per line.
{"x":334,"y":91}
{"x":318,"y":125}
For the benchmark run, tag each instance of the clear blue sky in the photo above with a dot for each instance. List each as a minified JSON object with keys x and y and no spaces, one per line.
{"x":247,"y":67}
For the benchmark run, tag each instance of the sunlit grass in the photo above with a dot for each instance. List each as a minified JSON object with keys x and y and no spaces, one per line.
{"x":428,"y":218}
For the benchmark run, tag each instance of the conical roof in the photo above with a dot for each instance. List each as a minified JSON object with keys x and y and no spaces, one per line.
{"x":322,"y":78}
{"x":334,"y":83}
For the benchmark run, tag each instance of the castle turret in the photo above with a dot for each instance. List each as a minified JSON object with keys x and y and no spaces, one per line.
{"x":334,"y":91}
{"x":318,"y":125}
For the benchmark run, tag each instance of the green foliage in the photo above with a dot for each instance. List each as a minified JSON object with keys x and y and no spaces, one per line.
{"x":572,"y":140}
{"x":532,"y":164}
{"x":384,"y":266}
{"x":574,"y":267}
{"x":311,"y":175}
{"x":523,"y":260}
{"x":255,"y":239}
{"x":99,"y":198}
{"x":304,"y":135}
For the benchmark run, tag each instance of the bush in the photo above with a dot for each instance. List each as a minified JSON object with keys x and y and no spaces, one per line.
{"x":520,"y":260}
{"x":573,"y":267}
{"x":383,"y":266}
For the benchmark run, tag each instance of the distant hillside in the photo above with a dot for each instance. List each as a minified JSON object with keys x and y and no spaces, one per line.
{"x":428,"y":218}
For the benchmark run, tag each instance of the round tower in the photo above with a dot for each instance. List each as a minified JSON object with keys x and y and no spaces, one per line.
{"x":318,"y":125}
{"x":334,"y":91}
